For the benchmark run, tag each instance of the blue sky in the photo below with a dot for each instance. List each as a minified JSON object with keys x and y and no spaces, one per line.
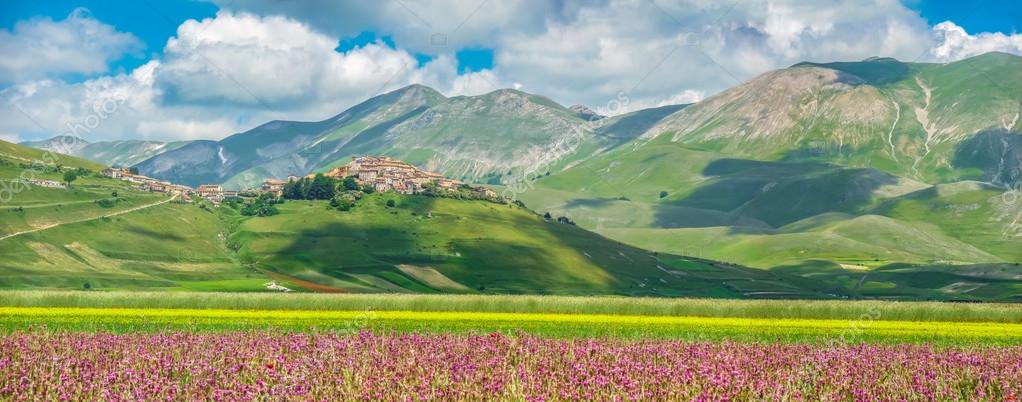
{"x":155,"y":21}
{"x":204,"y":69}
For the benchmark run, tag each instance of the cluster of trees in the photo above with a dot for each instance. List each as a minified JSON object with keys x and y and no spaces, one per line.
{"x":263,"y":205}
{"x":343,"y":194}
{"x":560,"y":219}
{"x":321,"y":187}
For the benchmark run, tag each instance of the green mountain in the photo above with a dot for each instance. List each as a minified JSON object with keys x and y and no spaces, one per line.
{"x":112,"y":153}
{"x":485,"y":138}
{"x":841,"y":162}
{"x":929,"y":122}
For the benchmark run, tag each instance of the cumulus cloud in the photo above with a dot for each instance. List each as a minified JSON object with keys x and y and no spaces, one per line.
{"x":956,"y":44}
{"x":222,"y":75}
{"x":42,"y":47}
{"x":424,"y":26}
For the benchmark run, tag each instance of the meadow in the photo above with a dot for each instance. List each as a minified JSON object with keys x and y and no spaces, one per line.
{"x":367,"y":366}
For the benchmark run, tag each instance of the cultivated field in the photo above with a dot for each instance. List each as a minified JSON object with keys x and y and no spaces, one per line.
{"x":231,"y":346}
{"x":563,"y":317}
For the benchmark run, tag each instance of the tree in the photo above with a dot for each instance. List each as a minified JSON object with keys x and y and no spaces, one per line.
{"x":70,"y":176}
{"x":350,"y":184}
{"x":293,"y":190}
{"x":87,"y":286}
{"x":133,"y":170}
{"x":368,"y":189}
{"x":663,"y":194}
{"x":321,"y":188}
{"x":114,"y":194}
{"x":547,"y":216}
{"x":391,"y":203}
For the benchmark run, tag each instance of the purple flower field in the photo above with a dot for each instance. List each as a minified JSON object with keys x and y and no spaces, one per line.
{"x":261,"y":366}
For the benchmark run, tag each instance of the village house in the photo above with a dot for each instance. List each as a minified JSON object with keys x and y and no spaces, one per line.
{"x":274,"y":186}
{"x":47,"y":183}
{"x":386,"y":174}
{"x":115,"y":173}
{"x":231,"y":193}
{"x":212,"y":192}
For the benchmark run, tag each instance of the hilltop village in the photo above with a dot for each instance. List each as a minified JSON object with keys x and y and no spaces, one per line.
{"x":381,"y":174}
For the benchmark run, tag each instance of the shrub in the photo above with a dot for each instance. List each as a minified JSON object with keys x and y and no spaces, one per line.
{"x":105,"y":203}
{"x":663,"y":194}
{"x":391,"y":204}
{"x":343,"y":202}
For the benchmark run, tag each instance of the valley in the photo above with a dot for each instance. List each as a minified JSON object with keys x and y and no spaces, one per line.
{"x":848,"y":179}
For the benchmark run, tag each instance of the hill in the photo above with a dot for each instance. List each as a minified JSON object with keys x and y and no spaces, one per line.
{"x":769,"y":213}
{"x":428,"y":244}
{"x":14,"y":154}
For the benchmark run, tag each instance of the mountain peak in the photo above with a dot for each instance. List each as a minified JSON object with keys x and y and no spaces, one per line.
{"x":416,"y":89}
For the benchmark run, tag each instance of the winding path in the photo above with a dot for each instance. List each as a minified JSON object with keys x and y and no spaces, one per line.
{"x":15,"y":234}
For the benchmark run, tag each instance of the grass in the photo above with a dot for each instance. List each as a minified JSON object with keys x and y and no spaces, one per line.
{"x":469,"y":247}
{"x":170,"y":246}
{"x":526,"y":304}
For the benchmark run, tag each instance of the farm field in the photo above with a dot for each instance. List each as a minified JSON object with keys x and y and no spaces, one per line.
{"x":561,"y":317}
{"x":186,"y":346}
{"x":368,"y":366}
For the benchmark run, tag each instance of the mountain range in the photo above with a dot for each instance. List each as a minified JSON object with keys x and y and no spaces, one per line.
{"x":845,"y":164}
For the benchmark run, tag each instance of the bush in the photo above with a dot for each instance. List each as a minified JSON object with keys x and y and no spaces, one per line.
{"x":663,"y":194}
{"x":391,"y":204}
{"x":343,"y":202}
{"x":105,"y":203}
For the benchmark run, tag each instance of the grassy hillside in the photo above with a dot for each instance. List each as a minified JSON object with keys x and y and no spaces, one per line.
{"x":433,"y":245}
{"x":15,"y":154}
{"x":170,"y":246}
{"x":763,"y":214}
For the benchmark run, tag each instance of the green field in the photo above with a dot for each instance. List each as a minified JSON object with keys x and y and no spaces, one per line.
{"x":766,"y":321}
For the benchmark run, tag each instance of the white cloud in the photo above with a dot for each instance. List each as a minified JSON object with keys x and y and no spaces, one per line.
{"x":271,"y":62}
{"x":220,"y":76}
{"x":956,"y":44}
{"x":259,"y":60}
{"x":9,"y":137}
{"x":42,"y":47}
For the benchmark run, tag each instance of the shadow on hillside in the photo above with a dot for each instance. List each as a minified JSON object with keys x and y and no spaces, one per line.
{"x":995,"y":153}
{"x":164,"y":236}
{"x":780,"y":193}
{"x":372,"y":136}
{"x":631,"y":126}
{"x":876,"y":71}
